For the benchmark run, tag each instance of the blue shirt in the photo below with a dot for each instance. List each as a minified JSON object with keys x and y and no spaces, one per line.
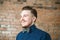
{"x":33,"y":34}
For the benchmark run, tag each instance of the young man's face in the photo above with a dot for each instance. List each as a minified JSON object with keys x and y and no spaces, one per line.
{"x":26,"y":18}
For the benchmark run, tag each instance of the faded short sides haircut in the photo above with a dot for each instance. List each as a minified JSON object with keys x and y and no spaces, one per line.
{"x":33,"y":11}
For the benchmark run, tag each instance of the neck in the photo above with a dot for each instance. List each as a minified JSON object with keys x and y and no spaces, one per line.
{"x":27,"y":28}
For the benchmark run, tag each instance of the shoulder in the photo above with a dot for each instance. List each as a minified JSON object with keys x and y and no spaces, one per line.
{"x":42,"y":34}
{"x":20,"y":33}
{"x":39,"y":31}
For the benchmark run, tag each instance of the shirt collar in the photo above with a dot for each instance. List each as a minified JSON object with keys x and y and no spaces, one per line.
{"x":30,"y":29}
{"x":26,"y":30}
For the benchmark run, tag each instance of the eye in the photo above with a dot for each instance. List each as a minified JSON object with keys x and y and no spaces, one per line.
{"x":25,"y":15}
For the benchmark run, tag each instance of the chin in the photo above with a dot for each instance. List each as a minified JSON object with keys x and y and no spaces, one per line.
{"x":25,"y":26}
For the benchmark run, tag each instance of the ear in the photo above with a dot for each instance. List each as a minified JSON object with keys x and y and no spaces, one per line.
{"x":34,"y":19}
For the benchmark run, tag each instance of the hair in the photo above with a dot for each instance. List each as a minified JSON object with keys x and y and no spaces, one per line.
{"x":33,"y":11}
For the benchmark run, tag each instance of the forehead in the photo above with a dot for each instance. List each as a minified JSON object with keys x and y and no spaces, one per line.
{"x":26,"y":12}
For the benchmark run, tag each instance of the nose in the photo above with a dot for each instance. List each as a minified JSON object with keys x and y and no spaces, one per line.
{"x":21,"y":18}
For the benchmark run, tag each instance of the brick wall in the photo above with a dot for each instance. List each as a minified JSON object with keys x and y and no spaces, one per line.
{"x":48,"y":18}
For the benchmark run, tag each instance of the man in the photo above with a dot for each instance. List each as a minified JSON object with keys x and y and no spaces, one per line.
{"x":30,"y":32}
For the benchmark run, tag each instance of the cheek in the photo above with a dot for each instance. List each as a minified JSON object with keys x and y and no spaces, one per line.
{"x":28,"y":20}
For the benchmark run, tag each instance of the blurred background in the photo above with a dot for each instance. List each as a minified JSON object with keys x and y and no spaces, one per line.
{"x":48,"y":17}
